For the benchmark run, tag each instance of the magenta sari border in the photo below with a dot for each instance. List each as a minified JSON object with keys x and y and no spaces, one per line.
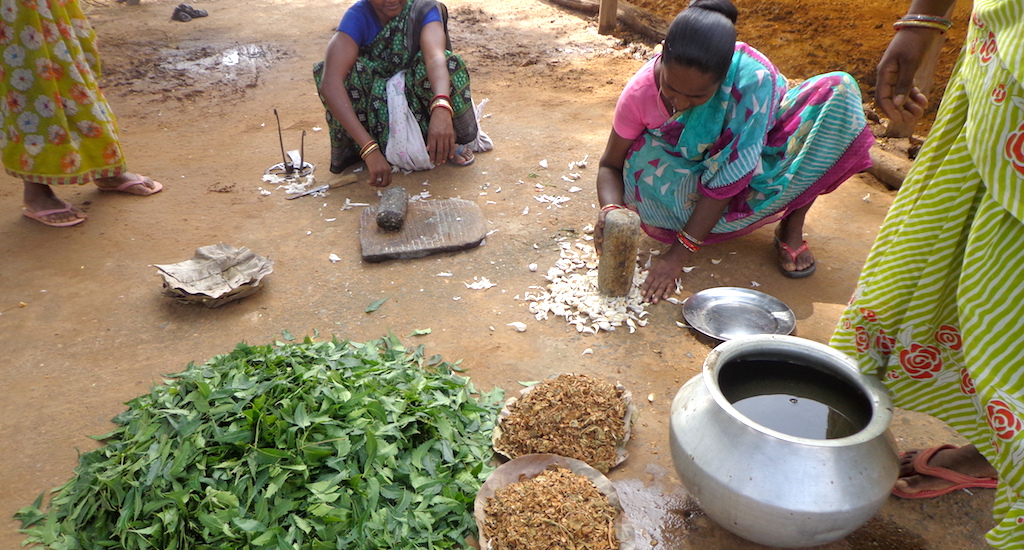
{"x":855,"y":159}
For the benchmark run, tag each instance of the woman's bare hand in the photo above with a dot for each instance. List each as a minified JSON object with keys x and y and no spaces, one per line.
{"x":663,"y":276}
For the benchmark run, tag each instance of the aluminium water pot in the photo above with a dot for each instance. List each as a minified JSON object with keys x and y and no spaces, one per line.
{"x":761,"y":479}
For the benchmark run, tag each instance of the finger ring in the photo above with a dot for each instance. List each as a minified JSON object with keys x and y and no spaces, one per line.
{"x":379,"y":179}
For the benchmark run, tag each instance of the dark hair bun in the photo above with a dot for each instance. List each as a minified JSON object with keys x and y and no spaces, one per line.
{"x":724,"y":7}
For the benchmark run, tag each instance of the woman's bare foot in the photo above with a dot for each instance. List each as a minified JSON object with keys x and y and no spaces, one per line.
{"x":40,"y":198}
{"x":133,"y":184}
{"x":965,"y":460}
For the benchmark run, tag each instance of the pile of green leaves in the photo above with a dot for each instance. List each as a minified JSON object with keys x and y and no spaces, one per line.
{"x":311,"y":445}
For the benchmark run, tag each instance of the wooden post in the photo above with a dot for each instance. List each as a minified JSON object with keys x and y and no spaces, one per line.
{"x":607,"y":16}
{"x":618,"y":253}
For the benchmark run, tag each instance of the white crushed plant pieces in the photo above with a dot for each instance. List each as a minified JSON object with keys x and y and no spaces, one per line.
{"x":682,"y":325}
{"x":520,"y":327}
{"x":481,"y":284}
{"x":716,"y":262}
{"x":421,"y":196}
{"x":263,"y":191}
{"x":333,"y":257}
{"x":349,"y":205}
{"x":443,"y":274}
{"x":555,"y":201}
{"x":650,"y":398}
{"x":588,"y":351}
{"x":688,"y":268}
{"x":575,"y":189}
{"x":755,"y":284}
{"x":867,"y":198}
{"x":532,"y":267}
{"x":543,"y":163}
{"x":290,"y":184}
{"x":674,"y":301}
{"x":572,"y":294}
{"x":526,"y":210}
{"x":331,"y":220}
{"x":579,"y":163}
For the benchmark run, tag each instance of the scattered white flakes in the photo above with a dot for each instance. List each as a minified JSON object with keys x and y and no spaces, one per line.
{"x":526,"y":210}
{"x":588,"y":237}
{"x":689,"y":268}
{"x":497,"y":190}
{"x":491,"y":232}
{"x":490,"y":202}
{"x":674,"y":301}
{"x":520,"y":181}
{"x":532,"y":267}
{"x":520,"y":327}
{"x":716,"y":262}
{"x":650,"y":398}
{"x":443,"y":274}
{"x":682,"y":325}
{"x":543,"y":163}
{"x":572,"y":294}
{"x":536,"y":247}
{"x":575,"y":189}
{"x":264,"y":192}
{"x":483,"y":193}
{"x":331,"y":219}
{"x":317,"y":128}
{"x":360,"y":169}
{"x":554,"y":201}
{"x":538,"y":186}
{"x":588,"y":229}
{"x":481,"y":284}
{"x":350,"y":205}
{"x":755,"y":284}
{"x":333,"y":257}
{"x":588,"y":351}
{"x":578,"y":164}
{"x":456,"y":298}
{"x":492,"y":328}
{"x":309,"y":232}
{"x":867,"y":198}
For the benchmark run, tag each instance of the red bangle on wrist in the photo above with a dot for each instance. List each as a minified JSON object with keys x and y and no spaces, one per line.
{"x":611,"y":206}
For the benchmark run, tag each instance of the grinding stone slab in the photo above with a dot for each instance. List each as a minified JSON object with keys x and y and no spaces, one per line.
{"x":430,"y":227}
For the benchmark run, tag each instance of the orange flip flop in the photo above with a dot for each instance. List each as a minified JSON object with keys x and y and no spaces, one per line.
{"x":958,"y":480}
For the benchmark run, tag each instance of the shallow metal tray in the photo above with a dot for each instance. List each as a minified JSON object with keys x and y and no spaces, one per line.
{"x":731,"y":312}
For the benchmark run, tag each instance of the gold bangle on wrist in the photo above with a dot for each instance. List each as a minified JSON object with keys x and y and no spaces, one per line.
{"x":370,"y":147}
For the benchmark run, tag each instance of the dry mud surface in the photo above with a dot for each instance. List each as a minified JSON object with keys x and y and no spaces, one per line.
{"x":85,"y":328}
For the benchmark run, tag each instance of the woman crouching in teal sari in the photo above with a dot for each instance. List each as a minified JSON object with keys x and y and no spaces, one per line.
{"x":376,"y":40}
{"x":709,"y":144}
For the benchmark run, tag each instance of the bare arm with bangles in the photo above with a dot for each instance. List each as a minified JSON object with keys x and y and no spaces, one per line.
{"x":338,"y":61}
{"x":896,"y":93}
{"x":441,"y":131}
{"x":666,"y":268}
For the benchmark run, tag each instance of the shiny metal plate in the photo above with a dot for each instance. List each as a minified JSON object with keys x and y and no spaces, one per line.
{"x":731,"y":312}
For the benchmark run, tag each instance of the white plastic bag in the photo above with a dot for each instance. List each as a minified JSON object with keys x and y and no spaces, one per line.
{"x":405,"y":148}
{"x":482,"y":142}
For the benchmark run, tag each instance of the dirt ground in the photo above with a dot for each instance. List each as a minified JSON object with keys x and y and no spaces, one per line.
{"x":85,"y":327}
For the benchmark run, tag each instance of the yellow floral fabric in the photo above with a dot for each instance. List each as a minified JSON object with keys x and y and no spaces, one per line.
{"x":57,"y":127}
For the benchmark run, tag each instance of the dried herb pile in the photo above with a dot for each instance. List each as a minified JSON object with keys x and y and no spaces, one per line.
{"x":554,"y":510}
{"x":572,"y":415}
{"x":299,"y":446}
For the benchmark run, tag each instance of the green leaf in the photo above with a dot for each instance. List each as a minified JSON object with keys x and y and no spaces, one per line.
{"x":375,"y":305}
{"x":420,"y":332}
{"x":287,"y":335}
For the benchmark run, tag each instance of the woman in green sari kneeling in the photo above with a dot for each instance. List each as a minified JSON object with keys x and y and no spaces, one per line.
{"x":405,"y":42}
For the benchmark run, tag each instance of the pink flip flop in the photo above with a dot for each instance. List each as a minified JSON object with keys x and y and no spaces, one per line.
{"x":129,"y":187}
{"x":40,"y":216}
{"x":799,"y":274}
{"x":958,"y":480}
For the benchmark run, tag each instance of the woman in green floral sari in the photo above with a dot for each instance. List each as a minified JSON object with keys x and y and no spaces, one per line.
{"x":376,"y":40}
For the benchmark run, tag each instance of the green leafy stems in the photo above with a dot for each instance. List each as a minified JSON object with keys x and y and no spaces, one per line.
{"x":312,"y":445}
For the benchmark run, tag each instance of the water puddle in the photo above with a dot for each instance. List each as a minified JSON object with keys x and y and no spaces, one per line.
{"x":211,"y":71}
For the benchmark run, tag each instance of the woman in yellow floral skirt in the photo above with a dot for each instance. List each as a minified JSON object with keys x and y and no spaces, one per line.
{"x":57,"y":127}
